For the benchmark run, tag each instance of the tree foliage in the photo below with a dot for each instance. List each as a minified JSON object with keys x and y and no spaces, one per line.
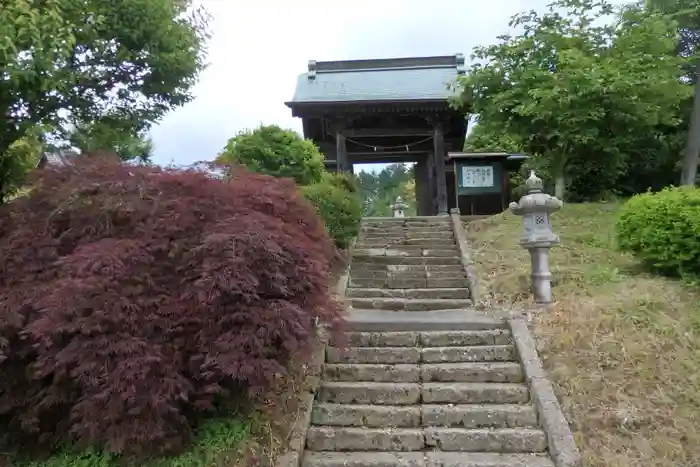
{"x":339,"y":204}
{"x":113,"y":136}
{"x":579,"y":91}
{"x":272,"y":150}
{"x":79,"y":60}
{"x":135,"y":299}
{"x":380,"y":189}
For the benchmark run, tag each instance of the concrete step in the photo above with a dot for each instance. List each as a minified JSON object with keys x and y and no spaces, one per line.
{"x":379,"y":373}
{"x":447,"y":227}
{"x":394,"y":237}
{"x":326,"y":438}
{"x":403,"y":304}
{"x":471,"y":416}
{"x":399,"y":268}
{"x":472,"y":372}
{"x":419,"y":241}
{"x":396,"y":260}
{"x":398,"y":283}
{"x":501,"y":440}
{"x":363,"y":392}
{"x":415,"y":274}
{"x":369,"y":393}
{"x":423,"y":459}
{"x":473,"y":393}
{"x":450,"y":293}
{"x":432,"y":232}
{"x":412,"y":220}
{"x":393,"y":321}
{"x":415,"y":355}
{"x":473,"y":353}
{"x":474,"y":416}
{"x":370,"y":416}
{"x":406,"y":251}
{"x":429,"y":338}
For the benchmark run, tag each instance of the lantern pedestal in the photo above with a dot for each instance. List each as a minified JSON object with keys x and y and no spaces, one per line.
{"x":536,"y":208}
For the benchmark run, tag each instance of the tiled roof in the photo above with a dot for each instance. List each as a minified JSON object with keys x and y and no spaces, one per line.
{"x":59,"y":158}
{"x":397,"y":79}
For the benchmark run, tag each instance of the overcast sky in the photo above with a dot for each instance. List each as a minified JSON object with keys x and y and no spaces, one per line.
{"x":259,"y":47}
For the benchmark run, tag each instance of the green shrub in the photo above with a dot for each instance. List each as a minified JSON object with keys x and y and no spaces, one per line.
{"x":274,"y":151}
{"x":663,"y":230}
{"x":339,"y":207}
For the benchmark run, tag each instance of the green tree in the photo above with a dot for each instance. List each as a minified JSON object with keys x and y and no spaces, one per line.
{"x":77,"y":60}
{"x":107,"y":135}
{"x":577,"y":90}
{"x":272,"y":150}
{"x":687,"y":15}
{"x":486,"y":138}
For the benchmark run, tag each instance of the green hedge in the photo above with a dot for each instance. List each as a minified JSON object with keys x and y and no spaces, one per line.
{"x":339,"y":204}
{"x":663,"y":230}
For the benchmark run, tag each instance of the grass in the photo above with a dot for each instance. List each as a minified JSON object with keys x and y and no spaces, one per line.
{"x":622,"y":346}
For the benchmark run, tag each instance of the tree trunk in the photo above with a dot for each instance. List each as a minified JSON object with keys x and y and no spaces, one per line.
{"x":689,"y":169}
{"x":559,"y":186}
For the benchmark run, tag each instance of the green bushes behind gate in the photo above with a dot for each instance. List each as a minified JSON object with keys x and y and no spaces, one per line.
{"x":663,"y":230}
{"x":338,"y":203}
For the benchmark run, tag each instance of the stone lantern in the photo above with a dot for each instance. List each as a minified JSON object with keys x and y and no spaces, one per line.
{"x":536,"y":209}
{"x":399,"y":207}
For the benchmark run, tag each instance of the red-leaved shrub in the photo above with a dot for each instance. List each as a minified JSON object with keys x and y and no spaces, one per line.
{"x":133,"y":299}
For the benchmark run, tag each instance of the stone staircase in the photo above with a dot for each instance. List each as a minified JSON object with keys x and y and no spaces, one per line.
{"x":425,"y":381}
{"x":407,"y":264}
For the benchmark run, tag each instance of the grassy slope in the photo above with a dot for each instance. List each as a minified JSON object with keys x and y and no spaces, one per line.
{"x":622,"y":346}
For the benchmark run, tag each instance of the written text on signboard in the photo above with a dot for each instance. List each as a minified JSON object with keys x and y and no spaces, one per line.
{"x":477,"y":177}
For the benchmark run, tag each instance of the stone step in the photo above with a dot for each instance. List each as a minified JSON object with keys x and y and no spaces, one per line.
{"x":479,"y":372}
{"x":472,"y":353}
{"x":423,"y":459}
{"x":399,"y":268}
{"x":396,"y":260}
{"x":472,"y":372}
{"x":327,"y":438}
{"x":369,"y":393}
{"x":420,"y":241}
{"x":450,"y":293}
{"x":403,"y":304}
{"x":473,"y":393}
{"x":415,"y":355}
{"x":501,"y":440}
{"x":401,"y":231}
{"x":407,"y":251}
{"x":399,"y":283}
{"x":472,"y":416}
{"x":378,"y":373}
{"x":393,"y":321}
{"x":429,"y":338}
{"x":411,"y":220}
{"x":370,"y":416}
{"x":392,"y":237}
{"x":416,"y":274}
{"x":447,"y":227}
{"x":475,"y":416}
{"x":363,"y":392}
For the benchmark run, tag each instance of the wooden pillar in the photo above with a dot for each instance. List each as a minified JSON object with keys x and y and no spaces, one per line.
{"x":431,"y":203}
{"x":441,"y":182}
{"x":341,"y":152}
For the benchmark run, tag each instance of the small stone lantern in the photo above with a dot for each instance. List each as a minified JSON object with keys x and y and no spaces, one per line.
{"x":536,"y":208}
{"x":399,"y":207}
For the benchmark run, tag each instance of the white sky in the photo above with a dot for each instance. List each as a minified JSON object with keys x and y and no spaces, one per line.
{"x":259,"y":47}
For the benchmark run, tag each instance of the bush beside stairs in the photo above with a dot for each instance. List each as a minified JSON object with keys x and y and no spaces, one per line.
{"x":425,"y":380}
